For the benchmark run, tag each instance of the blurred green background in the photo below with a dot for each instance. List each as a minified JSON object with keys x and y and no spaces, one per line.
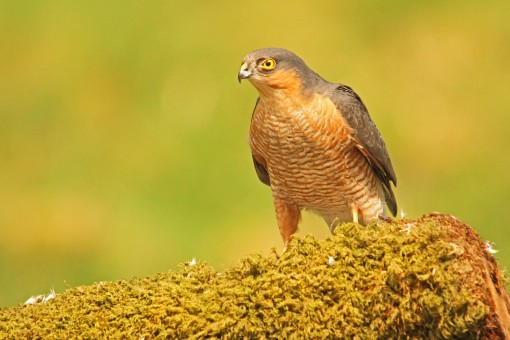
{"x":123,"y":130}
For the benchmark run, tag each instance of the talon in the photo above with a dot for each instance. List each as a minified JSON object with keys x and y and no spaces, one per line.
{"x":385,"y":218}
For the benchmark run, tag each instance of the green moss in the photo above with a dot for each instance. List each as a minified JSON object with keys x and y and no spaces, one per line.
{"x":409,"y":278}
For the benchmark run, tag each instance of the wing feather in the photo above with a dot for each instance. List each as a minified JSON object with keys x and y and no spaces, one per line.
{"x":260,"y":166}
{"x":368,"y":139}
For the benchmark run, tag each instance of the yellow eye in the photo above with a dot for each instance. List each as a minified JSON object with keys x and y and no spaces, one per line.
{"x":267,"y":64}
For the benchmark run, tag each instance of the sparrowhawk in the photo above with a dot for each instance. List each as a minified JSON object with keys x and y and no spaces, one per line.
{"x":314,"y":143}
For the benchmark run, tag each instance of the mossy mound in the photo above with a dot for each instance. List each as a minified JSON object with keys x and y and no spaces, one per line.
{"x":412,"y":278}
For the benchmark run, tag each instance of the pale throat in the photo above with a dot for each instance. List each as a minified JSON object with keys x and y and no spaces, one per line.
{"x":286,"y":98}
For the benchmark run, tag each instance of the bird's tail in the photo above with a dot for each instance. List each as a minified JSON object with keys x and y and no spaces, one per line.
{"x":388,"y":197}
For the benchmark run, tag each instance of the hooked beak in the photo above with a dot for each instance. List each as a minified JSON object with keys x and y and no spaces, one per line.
{"x":243,"y":72}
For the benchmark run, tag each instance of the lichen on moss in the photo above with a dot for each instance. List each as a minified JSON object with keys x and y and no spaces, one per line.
{"x":413,"y":278}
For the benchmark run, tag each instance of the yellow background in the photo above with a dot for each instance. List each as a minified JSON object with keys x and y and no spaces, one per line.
{"x":123,"y":130}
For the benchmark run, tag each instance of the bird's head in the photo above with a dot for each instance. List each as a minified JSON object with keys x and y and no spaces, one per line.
{"x":275,"y":68}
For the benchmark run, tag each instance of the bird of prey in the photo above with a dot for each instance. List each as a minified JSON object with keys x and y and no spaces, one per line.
{"x":314,"y":143}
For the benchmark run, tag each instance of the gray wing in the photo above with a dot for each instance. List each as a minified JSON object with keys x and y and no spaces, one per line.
{"x":259,"y":167}
{"x":368,"y":139}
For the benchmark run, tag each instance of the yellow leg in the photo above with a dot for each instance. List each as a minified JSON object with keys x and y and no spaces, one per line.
{"x":287,"y":216}
{"x":355,"y":213}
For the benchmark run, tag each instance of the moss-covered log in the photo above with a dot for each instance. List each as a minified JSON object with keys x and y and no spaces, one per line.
{"x":430,"y":277}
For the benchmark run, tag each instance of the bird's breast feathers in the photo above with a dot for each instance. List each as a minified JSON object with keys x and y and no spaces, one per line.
{"x":309,"y":153}
{"x":298,"y":125}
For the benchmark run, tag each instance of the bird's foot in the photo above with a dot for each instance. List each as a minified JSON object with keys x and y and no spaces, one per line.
{"x":385,"y":218}
{"x":355,"y":213}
